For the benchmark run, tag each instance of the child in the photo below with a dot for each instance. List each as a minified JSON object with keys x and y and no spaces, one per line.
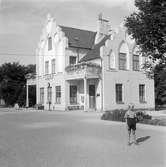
{"x":130,"y":117}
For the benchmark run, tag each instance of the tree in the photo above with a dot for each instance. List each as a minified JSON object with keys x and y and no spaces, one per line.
{"x":160,"y":84}
{"x":12,"y":82}
{"x":148,"y":27}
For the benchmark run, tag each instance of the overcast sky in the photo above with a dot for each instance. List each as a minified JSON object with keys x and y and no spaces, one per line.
{"x":21,"y":21}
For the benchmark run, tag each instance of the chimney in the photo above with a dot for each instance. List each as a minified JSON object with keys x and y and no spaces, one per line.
{"x":103,"y":28}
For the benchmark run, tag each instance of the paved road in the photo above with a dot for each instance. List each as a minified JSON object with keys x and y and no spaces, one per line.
{"x":74,"y":139}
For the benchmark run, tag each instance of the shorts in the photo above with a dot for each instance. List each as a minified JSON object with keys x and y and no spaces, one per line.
{"x":131,"y":122}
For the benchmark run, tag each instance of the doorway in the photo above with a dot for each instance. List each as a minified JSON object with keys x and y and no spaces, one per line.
{"x":92,"y":97}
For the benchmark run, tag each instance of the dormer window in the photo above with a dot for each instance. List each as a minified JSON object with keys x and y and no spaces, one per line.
{"x":72,"y":60}
{"x":49,"y":43}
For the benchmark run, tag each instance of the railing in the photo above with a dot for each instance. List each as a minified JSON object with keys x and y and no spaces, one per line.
{"x":88,"y":68}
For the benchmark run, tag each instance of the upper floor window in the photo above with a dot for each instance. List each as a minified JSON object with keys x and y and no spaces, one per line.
{"x":53,"y":65}
{"x":136,"y":61}
{"x":72,"y":60}
{"x":123,"y":57}
{"x":49,"y":43}
{"x":46,"y":67}
{"x":111,"y":60}
{"x":122,"y":61}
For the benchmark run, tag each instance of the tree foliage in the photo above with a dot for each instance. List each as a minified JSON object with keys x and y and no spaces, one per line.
{"x":160,"y":84}
{"x":12,"y":82}
{"x":148,"y":28}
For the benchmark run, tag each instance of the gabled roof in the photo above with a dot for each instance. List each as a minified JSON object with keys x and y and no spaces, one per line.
{"x":79,"y":38}
{"x":95,"y":52}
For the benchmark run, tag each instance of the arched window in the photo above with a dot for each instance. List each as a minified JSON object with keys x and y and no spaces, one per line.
{"x":112,"y":60}
{"x":123,"y":56}
{"x":136,"y":59}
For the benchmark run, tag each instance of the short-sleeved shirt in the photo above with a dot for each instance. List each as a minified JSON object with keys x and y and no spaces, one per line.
{"x":131,"y":119}
{"x":130,"y":114}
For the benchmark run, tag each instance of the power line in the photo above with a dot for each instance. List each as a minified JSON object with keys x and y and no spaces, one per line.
{"x":22,"y":55}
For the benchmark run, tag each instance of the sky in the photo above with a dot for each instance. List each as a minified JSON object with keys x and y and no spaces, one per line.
{"x":21,"y":22}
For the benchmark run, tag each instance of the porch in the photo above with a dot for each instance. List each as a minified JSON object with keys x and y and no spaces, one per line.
{"x":83,"y":86}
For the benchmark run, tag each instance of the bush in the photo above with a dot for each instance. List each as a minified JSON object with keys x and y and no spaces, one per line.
{"x":118,"y":115}
{"x":160,"y":122}
{"x":114,"y":115}
{"x":142,"y":116}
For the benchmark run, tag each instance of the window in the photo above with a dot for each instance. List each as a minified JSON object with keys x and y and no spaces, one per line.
{"x":49,"y":43}
{"x":46,"y":67}
{"x":41,"y":95}
{"x":142,"y":93}
{"x":122,"y":61}
{"x":72,"y":60}
{"x":119,"y":98}
{"x":73,"y":94}
{"x":123,"y":56}
{"x":108,"y":60}
{"x":53,"y":65}
{"x":49,"y":94}
{"x":136,"y":62}
{"x":112,"y":60}
{"x":58,"y":94}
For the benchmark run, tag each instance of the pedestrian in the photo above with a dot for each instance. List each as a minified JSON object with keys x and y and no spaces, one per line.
{"x":16,"y":106}
{"x":131,"y":119}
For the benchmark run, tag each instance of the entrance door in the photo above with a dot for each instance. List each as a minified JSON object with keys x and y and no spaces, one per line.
{"x":92,"y":97}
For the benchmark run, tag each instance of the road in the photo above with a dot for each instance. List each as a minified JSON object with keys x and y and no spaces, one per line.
{"x":76,"y":139}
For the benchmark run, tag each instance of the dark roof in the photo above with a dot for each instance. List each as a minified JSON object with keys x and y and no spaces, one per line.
{"x":79,"y":38}
{"x":95,"y":52}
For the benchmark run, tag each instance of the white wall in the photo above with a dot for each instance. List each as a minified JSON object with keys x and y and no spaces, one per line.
{"x":128,"y":78}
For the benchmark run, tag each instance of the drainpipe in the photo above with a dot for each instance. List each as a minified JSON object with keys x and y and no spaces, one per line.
{"x":101,"y":77}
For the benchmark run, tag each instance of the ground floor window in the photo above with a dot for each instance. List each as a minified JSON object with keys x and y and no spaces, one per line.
{"x":142,"y":93}
{"x":41,"y":95}
{"x":73,"y":94}
{"x":58,"y":94}
{"x":119,"y":96}
{"x":49,"y":94}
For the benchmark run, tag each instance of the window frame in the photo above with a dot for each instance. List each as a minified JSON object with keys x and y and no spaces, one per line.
{"x":70,"y":60}
{"x":49,"y":94}
{"x":49,"y":43}
{"x":42,"y":95}
{"x":53,"y":66}
{"x":58,"y":94}
{"x":119,"y":100}
{"x":46,"y":67}
{"x":73,"y":99}
{"x":137,"y":62}
{"x":142,"y":97}
{"x":124,"y":60}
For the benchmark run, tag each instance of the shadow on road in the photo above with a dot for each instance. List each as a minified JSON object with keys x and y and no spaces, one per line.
{"x":142,"y":139}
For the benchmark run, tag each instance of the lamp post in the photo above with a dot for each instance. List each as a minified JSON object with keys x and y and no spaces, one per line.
{"x":49,"y":96}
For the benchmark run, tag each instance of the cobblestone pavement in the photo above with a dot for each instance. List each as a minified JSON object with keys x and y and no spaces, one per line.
{"x":76,"y":139}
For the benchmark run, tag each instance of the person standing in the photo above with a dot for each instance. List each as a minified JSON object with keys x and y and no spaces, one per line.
{"x":131,"y":119}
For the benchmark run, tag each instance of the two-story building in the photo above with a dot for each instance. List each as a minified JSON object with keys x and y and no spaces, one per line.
{"x":80,"y":69}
